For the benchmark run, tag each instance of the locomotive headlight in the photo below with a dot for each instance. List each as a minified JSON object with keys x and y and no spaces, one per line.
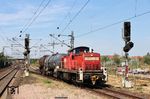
{"x":94,"y":78}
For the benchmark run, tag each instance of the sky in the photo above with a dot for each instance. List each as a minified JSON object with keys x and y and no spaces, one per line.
{"x":97,"y":15}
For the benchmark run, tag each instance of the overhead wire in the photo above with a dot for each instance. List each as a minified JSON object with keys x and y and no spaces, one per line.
{"x":135,"y":7}
{"x":33,"y":15}
{"x":35,"y":43}
{"x":3,"y":37}
{"x":47,"y":49}
{"x":73,"y":18}
{"x":110,"y":25}
{"x":40,"y":11}
{"x":72,"y":6}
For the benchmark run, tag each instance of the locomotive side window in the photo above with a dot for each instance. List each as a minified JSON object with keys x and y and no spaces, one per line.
{"x":81,"y":49}
{"x":77,"y":50}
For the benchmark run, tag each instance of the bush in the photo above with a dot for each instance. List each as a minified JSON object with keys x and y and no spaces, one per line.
{"x":147,"y":59}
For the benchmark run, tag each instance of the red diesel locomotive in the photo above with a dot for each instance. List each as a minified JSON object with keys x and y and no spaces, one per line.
{"x":79,"y":65}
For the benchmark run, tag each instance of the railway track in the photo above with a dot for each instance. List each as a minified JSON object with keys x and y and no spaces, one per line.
{"x":3,"y":69}
{"x":112,"y":93}
{"x":5,"y":72}
{"x":5,"y":79}
{"x":106,"y":91}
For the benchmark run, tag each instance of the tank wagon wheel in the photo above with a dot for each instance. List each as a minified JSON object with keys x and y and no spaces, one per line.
{"x":43,"y":71}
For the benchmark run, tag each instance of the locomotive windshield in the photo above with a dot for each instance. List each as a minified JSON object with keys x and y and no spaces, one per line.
{"x":77,"y":50}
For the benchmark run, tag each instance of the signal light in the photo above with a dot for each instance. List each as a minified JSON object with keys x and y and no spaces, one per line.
{"x":28,"y":51}
{"x":127,"y":31}
{"x":128,"y":46}
{"x":26,"y":43}
{"x":25,"y":53}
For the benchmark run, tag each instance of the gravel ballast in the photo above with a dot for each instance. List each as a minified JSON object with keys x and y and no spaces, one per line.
{"x":39,"y":87}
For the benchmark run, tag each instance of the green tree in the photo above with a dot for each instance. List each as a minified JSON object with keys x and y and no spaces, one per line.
{"x":104,"y":59}
{"x":147,"y":59}
{"x":2,"y":57}
{"x":116,"y":59}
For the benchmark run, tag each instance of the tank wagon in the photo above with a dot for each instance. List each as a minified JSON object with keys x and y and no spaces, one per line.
{"x":79,"y":66}
{"x":41,"y":63}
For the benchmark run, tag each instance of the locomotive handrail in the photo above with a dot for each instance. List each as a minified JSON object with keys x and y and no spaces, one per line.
{"x":61,"y":64}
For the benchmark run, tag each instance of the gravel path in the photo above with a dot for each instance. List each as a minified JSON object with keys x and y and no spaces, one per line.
{"x":37,"y":87}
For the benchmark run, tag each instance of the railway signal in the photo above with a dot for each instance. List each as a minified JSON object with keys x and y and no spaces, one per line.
{"x":27,"y":44}
{"x":126,"y":49}
{"x":128,"y":46}
{"x":127,"y":31}
{"x":127,"y":37}
{"x":26,"y":55}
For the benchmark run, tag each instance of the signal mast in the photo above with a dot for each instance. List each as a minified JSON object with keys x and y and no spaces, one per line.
{"x":127,"y":48}
{"x":27,"y":55}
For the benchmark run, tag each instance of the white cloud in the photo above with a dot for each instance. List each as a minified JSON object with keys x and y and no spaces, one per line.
{"x":23,"y":15}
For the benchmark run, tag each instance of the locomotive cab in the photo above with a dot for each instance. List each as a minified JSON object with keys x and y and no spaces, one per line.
{"x":84,"y":59}
{"x":88,"y":65}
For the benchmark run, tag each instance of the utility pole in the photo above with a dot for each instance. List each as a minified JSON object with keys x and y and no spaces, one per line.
{"x":53,"y":43}
{"x":71,"y":39}
{"x":27,"y":55}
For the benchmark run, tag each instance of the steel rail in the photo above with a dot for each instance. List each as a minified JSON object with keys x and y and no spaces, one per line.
{"x":116,"y":94}
{"x":6,"y":81}
{"x":124,"y":93}
{"x":5,"y":73}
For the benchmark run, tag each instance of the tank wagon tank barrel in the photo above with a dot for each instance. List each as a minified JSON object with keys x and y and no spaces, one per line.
{"x":54,"y":60}
{"x":41,"y":62}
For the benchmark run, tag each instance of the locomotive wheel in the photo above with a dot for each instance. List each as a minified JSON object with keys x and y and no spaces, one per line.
{"x":43,"y":72}
{"x":60,"y":75}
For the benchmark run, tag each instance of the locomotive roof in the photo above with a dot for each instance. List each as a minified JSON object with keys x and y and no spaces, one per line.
{"x":80,"y":47}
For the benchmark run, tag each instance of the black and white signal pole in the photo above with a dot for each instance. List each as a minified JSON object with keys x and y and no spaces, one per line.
{"x":127,"y":47}
{"x":27,"y":55}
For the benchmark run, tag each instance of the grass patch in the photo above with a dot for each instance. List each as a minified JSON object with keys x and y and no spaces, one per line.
{"x":46,"y":81}
{"x":140,"y":89}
